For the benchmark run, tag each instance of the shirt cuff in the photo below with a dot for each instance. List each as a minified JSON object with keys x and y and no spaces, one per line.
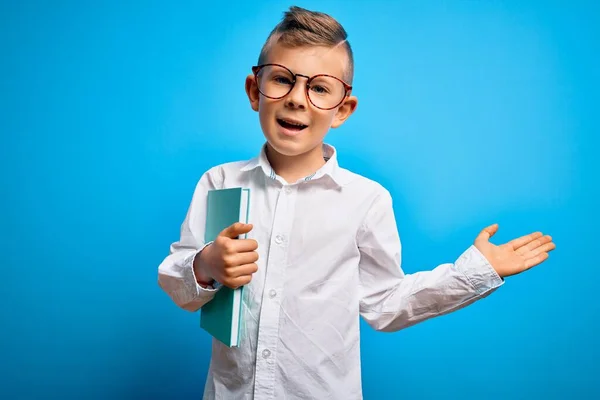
{"x":188,"y":264}
{"x":478,"y":270}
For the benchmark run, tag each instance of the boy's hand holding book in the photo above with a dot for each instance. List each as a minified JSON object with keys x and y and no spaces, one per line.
{"x":228,"y":260}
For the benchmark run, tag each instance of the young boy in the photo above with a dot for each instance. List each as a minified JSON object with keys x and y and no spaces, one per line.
{"x":323,"y":247}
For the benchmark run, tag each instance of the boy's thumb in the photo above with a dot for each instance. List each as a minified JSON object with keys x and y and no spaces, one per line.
{"x":486,"y":233}
{"x":235,"y":230}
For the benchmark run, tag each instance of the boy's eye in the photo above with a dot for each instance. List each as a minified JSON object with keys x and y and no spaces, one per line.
{"x":318,"y":89}
{"x":283,"y":80}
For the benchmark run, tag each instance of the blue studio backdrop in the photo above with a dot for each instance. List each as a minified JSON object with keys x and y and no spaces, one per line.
{"x":470,"y":113}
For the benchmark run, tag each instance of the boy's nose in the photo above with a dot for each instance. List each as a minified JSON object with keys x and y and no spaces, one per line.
{"x":296,"y":98}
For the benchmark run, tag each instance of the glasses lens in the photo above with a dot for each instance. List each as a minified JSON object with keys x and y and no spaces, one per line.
{"x":326,"y":92}
{"x":274,"y":81}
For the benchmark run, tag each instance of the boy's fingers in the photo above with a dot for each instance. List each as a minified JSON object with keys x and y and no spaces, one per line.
{"x":532,"y":262}
{"x":238,"y":282}
{"x":245,"y":258}
{"x":545,"y":248}
{"x":524,"y":240}
{"x":243,"y":270}
{"x":245,"y":245}
{"x":236,"y":230}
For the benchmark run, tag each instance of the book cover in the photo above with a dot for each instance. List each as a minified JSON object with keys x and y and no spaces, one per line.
{"x":221,"y":317}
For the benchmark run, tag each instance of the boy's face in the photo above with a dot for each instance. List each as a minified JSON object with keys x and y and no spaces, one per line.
{"x":278,"y":116}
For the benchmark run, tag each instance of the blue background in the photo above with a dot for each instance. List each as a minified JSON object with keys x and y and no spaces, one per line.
{"x":469,"y":113}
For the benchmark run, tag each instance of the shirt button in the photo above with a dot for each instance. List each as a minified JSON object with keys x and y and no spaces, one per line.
{"x":278,"y":239}
{"x":272,"y":293}
{"x":266,"y":353}
{"x":288,"y":190}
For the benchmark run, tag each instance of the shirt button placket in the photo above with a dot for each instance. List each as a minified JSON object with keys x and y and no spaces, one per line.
{"x":268,"y":329}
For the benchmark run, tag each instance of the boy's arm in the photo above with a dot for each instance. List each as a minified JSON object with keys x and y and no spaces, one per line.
{"x":176,"y":274}
{"x":391,"y":300}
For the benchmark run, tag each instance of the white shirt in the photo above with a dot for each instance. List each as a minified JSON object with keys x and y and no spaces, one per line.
{"x":329,"y":253}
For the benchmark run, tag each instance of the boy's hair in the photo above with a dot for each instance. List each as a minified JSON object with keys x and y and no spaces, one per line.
{"x":301,"y":27}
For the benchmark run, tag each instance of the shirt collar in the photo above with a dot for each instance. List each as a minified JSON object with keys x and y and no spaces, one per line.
{"x":331,"y":168}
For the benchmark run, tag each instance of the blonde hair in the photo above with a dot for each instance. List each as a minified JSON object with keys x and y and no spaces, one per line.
{"x":301,"y":27}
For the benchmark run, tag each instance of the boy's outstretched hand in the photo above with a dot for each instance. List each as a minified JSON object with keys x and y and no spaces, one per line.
{"x":516,"y":256}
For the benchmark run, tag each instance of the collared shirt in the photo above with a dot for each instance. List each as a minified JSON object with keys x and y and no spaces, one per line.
{"x":329,"y":253}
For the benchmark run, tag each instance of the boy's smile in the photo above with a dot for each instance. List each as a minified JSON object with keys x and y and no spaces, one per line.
{"x":291,"y":121}
{"x":291,"y":126}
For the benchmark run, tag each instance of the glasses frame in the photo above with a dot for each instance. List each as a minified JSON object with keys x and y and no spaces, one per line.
{"x":256,"y":69}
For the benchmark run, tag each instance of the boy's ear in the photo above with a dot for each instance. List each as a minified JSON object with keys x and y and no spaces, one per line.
{"x":252,"y":91}
{"x":344,"y":111}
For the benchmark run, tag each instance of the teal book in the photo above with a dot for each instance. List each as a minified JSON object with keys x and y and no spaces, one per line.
{"x":221,"y":317}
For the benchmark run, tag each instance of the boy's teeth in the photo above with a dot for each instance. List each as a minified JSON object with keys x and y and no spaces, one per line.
{"x":291,"y":124}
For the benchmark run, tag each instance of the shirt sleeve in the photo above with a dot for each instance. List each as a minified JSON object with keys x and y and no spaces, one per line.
{"x":392,"y":300}
{"x":176,"y":272}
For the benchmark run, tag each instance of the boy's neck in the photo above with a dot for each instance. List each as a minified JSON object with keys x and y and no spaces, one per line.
{"x":293,"y":168}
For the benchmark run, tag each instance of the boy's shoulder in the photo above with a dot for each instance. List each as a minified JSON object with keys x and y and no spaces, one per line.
{"x":217,"y":173}
{"x":360,"y":182}
{"x":228,"y":167}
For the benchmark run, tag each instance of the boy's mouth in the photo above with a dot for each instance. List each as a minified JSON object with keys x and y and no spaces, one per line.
{"x":291,"y":124}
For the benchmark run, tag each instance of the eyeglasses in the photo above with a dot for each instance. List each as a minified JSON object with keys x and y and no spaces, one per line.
{"x":323,"y":91}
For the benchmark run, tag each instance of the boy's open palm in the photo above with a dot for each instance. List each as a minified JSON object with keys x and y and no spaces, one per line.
{"x":229,"y":260}
{"x":516,"y":256}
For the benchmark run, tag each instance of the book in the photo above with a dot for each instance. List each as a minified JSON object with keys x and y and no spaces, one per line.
{"x":221,"y":316}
